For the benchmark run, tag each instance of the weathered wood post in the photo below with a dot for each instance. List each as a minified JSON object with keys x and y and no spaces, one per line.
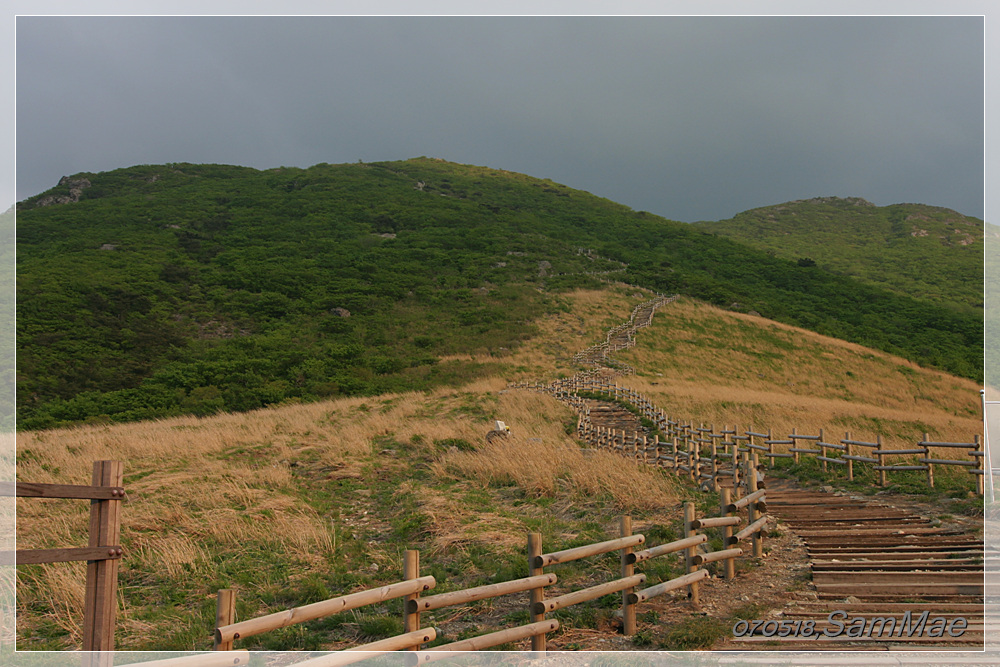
{"x":980,"y":479}
{"x":930,"y":466}
{"x":822,"y":449}
{"x":690,"y":553}
{"x":100,"y":597}
{"x":694,"y":460}
{"x":770,"y":449}
{"x":225,"y":614}
{"x":725,"y":498}
{"x":756,"y":539}
{"x":795,"y":445}
{"x":537,"y":594}
{"x":736,"y":438}
{"x":411,"y":570}
{"x":628,"y":569}
{"x":714,"y":465}
{"x":881,"y":460}
{"x":848,"y":455}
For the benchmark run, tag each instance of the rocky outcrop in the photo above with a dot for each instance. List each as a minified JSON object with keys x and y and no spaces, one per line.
{"x":76,"y":187}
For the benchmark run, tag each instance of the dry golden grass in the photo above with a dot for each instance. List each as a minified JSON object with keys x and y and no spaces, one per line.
{"x":231,"y":482}
{"x":61,"y":587}
{"x":540,"y":458}
{"x":454,"y":525}
{"x":709,"y":365}
{"x":550,"y":470}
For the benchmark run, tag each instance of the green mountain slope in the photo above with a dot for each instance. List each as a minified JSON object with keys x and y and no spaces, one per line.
{"x":168,"y":289}
{"x":925,"y":252}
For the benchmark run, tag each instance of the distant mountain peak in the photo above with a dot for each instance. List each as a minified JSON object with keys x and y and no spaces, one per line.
{"x":854,"y":201}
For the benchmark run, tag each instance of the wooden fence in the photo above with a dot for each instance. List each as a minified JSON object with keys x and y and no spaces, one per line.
{"x":622,"y":337}
{"x":102,"y":552}
{"x":708,"y":456}
{"x":629,"y":584}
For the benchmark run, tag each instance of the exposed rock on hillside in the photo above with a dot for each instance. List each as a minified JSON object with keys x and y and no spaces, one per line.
{"x":76,"y":187}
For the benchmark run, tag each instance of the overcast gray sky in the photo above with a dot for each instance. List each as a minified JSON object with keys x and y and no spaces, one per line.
{"x":692,"y":118}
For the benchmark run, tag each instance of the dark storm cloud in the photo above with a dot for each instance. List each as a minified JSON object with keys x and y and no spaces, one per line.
{"x":690,"y":118}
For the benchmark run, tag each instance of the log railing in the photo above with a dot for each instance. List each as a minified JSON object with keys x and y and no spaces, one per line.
{"x":227,"y":630}
{"x":708,"y":456}
{"x":415,"y":605}
{"x":629,"y":584}
{"x":538,"y":561}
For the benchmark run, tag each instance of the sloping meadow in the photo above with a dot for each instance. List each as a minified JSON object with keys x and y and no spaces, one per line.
{"x":300,"y":502}
{"x":294,"y":504}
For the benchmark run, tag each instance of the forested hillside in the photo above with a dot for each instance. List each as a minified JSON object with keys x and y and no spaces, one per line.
{"x":168,"y":289}
{"x":926,"y":252}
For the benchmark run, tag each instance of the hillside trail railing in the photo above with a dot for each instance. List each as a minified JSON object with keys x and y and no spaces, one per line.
{"x":707,"y":456}
{"x":414,"y":638}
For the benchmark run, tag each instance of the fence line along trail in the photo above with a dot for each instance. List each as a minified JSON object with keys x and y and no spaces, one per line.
{"x":874,"y":565}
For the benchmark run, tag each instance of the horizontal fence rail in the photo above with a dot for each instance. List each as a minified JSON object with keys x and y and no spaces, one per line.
{"x":479,"y":593}
{"x":680,"y":582}
{"x":585,"y":594}
{"x":576,"y":553}
{"x":226,"y":634}
{"x":538,"y":629}
{"x":668,"y":548}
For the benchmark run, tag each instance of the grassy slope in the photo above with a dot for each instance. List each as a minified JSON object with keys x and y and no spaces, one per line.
{"x":927,"y":252}
{"x":293,"y":504}
{"x":729,"y":368}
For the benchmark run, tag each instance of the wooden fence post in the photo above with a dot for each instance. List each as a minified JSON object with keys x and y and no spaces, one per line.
{"x":756,"y":540}
{"x":411,"y":570}
{"x":980,"y":479}
{"x":881,"y":461}
{"x":794,"y":446}
{"x":770,"y":449}
{"x":736,"y":439}
{"x":930,"y":466}
{"x":690,"y":553}
{"x":628,"y":569}
{"x":822,"y":449}
{"x":714,"y":465}
{"x":537,"y":594}
{"x":727,"y":531}
{"x":695,"y":459}
{"x":847,"y":452}
{"x":100,"y":598}
{"x":225,"y":614}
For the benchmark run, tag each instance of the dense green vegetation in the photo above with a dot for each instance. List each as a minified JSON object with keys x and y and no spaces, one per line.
{"x":926,"y":252}
{"x":183,"y":288}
